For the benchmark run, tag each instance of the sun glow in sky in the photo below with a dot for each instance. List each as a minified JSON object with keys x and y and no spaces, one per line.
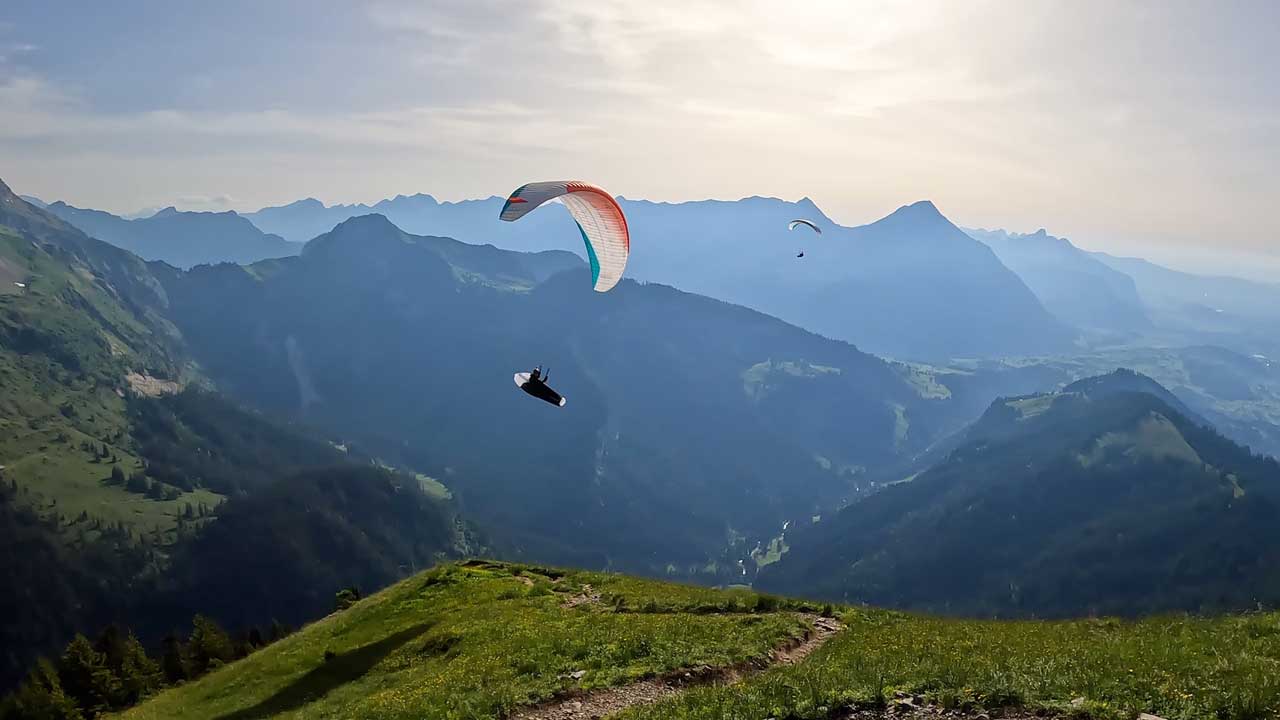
{"x":1136,"y":127}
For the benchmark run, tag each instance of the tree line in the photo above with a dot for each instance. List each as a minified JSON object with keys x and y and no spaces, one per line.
{"x":114,"y":671}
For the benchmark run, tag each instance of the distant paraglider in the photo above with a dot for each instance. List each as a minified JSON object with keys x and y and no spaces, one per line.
{"x":535,"y":383}
{"x":600,"y":221}
{"x":797,"y":223}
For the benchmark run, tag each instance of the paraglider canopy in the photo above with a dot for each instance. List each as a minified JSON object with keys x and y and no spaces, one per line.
{"x":600,"y":221}
{"x":809,"y":224}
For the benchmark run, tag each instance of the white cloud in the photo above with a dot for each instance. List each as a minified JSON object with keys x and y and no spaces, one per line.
{"x":1094,"y":119}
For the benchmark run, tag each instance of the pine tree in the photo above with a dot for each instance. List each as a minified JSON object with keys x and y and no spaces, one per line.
{"x":173,"y":663}
{"x":41,"y":697}
{"x":137,"y":673}
{"x":85,"y":677}
{"x":117,"y":475}
{"x":209,"y":645}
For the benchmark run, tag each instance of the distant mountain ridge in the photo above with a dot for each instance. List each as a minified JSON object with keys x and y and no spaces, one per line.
{"x":1094,"y":500}
{"x":908,"y":285}
{"x":182,"y":239}
{"x":1072,"y":284}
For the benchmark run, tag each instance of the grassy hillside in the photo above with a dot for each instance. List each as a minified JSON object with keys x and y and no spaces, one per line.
{"x":114,"y":490}
{"x":1095,"y":500}
{"x":1177,"y":668}
{"x":68,"y":348}
{"x":483,"y":640}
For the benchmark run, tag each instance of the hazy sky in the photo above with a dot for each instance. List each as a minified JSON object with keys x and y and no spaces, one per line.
{"x":1147,"y":127}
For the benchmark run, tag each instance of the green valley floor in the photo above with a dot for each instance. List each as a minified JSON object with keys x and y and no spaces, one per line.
{"x":496,"y":640}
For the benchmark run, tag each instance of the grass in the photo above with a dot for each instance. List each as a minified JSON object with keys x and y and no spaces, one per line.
{"x":1032,"y":406}
{"x":46,"y":417}
{"x":433,"y":487}
{"x":476,"y":641}
{"x":771,"y":554}
{"x":1154,"y":437}
{"x":755,"y":379}
{"x":1176,"y":667}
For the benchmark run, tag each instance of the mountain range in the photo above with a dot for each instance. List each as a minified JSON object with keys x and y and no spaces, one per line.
{"x":732,"y":250}
{"x":1076,"y":287}
{"x":182,"y":239}
{"x":910,"y":285}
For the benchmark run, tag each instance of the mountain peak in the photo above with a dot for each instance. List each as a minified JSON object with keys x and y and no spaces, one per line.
{"x":921,"y":212}
{"x":358,"y":230}
{"x":920,"y":208}
{"x":1124,"y":380}
{"x":366,"y":223}
{"x":171,"y":210}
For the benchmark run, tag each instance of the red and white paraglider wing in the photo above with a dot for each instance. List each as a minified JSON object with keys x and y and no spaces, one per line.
{"x":600,"y":221}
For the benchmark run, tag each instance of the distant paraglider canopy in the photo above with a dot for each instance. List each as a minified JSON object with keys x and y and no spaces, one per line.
{"x":795,"y":223}
{"x":534,"y":384}
{"x":599,"y":219}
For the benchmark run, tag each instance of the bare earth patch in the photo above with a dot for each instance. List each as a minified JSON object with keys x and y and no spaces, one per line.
{"x":586,"y":597}
{"x":607,"y":701}
{"x":148,"y":386}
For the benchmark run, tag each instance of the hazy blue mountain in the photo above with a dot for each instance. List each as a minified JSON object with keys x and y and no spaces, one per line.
{"x":1094,"y":500}
{"x":182,"y":239}
{"x":692,"y":427}
{"x":911,"y":284}
{"x":1073,"y":285}
{"x":1243,"y":315}
{"x":471,"y":221}
{"x":35,"y":201}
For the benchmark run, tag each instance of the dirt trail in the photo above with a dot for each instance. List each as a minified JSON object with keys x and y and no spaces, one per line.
{"x":607,"y":701}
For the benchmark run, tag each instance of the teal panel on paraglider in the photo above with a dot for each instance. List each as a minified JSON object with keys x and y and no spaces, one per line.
{"x":591,"y":255}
